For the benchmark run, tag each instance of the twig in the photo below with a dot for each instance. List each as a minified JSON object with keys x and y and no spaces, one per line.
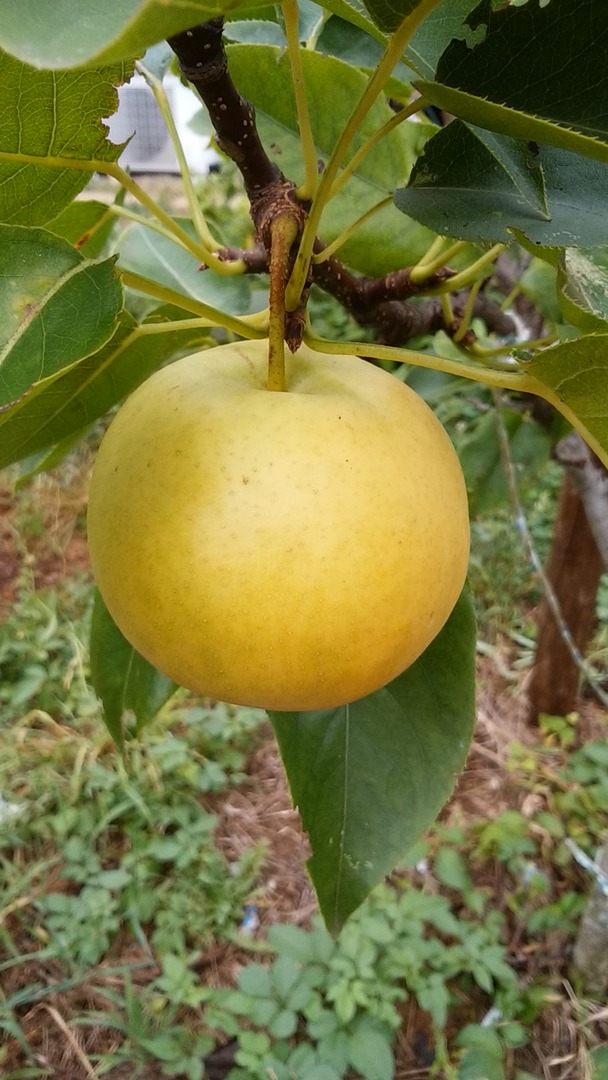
{"x":202,"y":58}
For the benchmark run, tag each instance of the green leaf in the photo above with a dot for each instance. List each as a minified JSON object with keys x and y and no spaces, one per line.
{"x":72,"y":33}
{"x":45,"y":117}
{"x":284,"y":1024}
{"x":256,"y":981}
{"x":55,"y":307}
{"x":518,"y":79}
{"x":353,"y":12}
{"x":477,"y":186}
{"x":156,"y":257}
{"x":355,"y":47}
{"x":368,"y":778}
{"x":441,"y":26}
{"x":389,"y":14}
{"x":484,"y":1057}
{"x":58,"y":409}
{"x":451,"y":869}
{"x":302,"y":945}
{"x":87,"y":225}
{"x":599,"y":1063}
{"x":583,"y":287}
{"x":370,"y":1053}
{"x":387,"y":241}
{"x":121,"y":678}
{"x":482,"y":464}
{"x":576,"y":375}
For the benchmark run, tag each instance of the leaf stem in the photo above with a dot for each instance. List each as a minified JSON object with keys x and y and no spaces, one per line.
{"x":423,"y":270}
{"x":510,"y":380}
{"x":354,"y":163}
{"x":251,"y":326}
{"x":431,"y":252}
{"x":465,"y":321}
{"x":321,"y":256}
{"x":284,"y":231}
{"x":394,"y":50}
{"x":111,"y":168}
{"x":309,"y":153}
{"x":466,"y":276}
{"x":537,"y":343}
{"x":150,"y":223}
{"x":203,"y":232}
{"x":447,"y":309}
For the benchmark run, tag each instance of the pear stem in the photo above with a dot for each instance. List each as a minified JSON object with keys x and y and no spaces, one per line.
{"x":284,"y":232}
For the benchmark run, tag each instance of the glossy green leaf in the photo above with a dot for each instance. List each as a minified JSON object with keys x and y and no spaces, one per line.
{"x":121,"y":678}
{"x":55,"y":307}
{"x":368,"y":778}
{"x":71,"y":33}
{"x":387,"y":241}
{"x":57,"y":409}
{"x":152,"y":256}
{"x":519,"y":78}
{"x":583,"y":287}
{"x":46,"y":117}
{"x":478,"y":186}
{"x":576,"y":374}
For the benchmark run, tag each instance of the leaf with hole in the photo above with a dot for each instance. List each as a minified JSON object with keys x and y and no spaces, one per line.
{"x":46,"y":117}
{"x":517,"y":75}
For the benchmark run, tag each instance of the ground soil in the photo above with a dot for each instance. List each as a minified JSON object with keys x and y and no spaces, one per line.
{"x":261,"y":810}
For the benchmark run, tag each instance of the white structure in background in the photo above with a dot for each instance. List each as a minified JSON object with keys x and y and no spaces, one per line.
{"x":150,"y":149}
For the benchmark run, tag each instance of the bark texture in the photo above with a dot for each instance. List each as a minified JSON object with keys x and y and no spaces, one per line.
{"x":574,"y":570}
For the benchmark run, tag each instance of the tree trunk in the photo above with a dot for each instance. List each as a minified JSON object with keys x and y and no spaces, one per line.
{"x":574,"y":570}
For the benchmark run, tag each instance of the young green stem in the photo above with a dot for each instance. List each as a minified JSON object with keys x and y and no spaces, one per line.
{"x":465,"y":321}
{"x":321,"y":256}
{"x":423,"y":270}
{"x":202,"y":229}
{"x":284,"y":231}
{"x":111,"y":168}
{"x":465,"y":277}
{"x":252,"y":326}
{"x":484,"y":351}
{"x":309,"y":154}
{"x":354,"y":163}
{"x":508,"y":379}
{"x":392,"y":54}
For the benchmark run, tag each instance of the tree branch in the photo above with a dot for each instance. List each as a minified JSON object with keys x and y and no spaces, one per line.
{"x":382,"y":304}
{"x":202,"y":59}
